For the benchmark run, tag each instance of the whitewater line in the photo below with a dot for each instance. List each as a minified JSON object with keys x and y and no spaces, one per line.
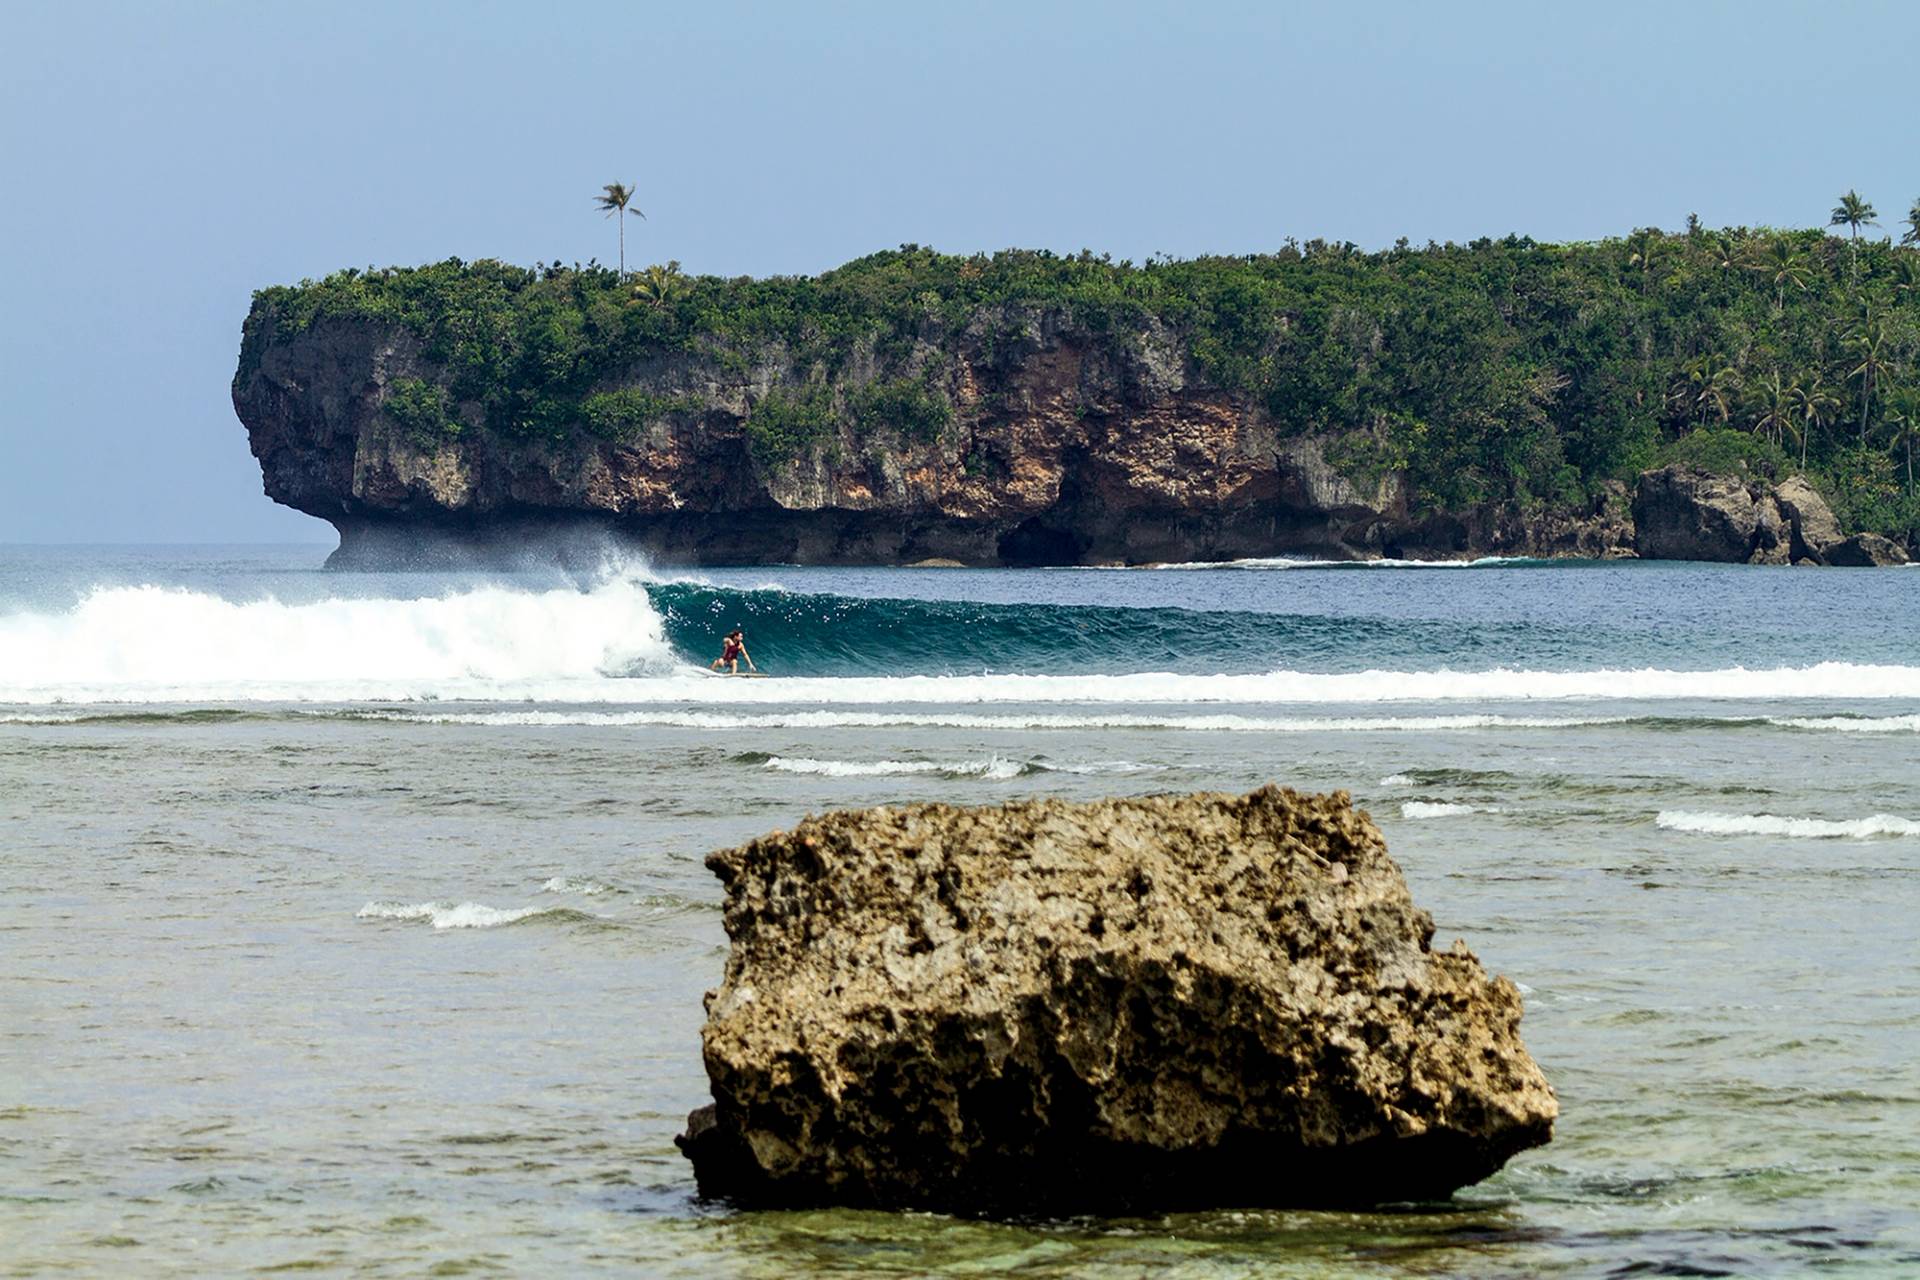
{"x":1827,"y":680}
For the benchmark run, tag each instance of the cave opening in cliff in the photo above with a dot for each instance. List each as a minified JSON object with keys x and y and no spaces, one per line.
{"x":1035,"y":543}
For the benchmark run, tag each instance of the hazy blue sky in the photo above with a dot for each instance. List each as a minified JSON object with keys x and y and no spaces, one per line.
{"x":162,"y":160}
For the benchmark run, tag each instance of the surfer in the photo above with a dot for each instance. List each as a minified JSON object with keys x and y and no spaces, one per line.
{"x":732,"y":651}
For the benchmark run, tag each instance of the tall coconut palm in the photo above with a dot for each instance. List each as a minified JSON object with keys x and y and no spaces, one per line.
{"x":616,"y":200}
{"x":1869,"y":345}
{"x":1854,"y":213}
{"x":1813,"y":405}
{"x":1912,"y":235}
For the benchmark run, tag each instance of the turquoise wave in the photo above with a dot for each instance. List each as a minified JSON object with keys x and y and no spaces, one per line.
{"x":822,"y":634}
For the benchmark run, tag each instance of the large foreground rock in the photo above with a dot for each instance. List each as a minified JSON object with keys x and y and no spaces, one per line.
{"x":1134,"y":1004}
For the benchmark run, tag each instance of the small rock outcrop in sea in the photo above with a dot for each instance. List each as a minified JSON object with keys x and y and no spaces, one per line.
{"x":1681,"y":513}
{"x":1127,"y":1005}
{"x":1866,"y":551}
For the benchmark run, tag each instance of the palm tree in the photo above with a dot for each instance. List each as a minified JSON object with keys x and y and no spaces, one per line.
{"x":1708,"y":388}
{"x":1773,"y":407}
{"x":1906,"y":275}
{"x":1854,"y":213}
{"x":1869,"y":343}
{"x":658,"y":285}
{"x":1903,"y":411}
{"x":1784,"y":264}
{"x":1723,"y":250}
{"x":616,"y":200}
{"x":1642,"y":247}
{"x":1912,"y":235}
{"x":1812,"y":405}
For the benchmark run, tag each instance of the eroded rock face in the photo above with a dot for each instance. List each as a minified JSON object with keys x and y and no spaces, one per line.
{"x":1814,"y":527}
{"x":1128,"y":1005}
{"x":1866,"y":551}
{"x":1683,"y":514}
{"x":1061,"y":450}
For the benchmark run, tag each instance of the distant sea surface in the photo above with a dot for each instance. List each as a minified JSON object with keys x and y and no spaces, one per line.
{"x":357,"y":923}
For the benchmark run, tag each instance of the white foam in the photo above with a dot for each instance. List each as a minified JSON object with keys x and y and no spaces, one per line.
{"x":1837,"y":680}
{"x":465,"y":915}
{"x":722,"y":720}
{"x":993,"y":768}
{"x":1297,"y":562}
{"x":1396,"y":780}
{"x":1416,"y":809}
{"x":1851,"y":724}
{"x":861,"y":769}
{"x":156,"y":644}
{"x":567,"y":884}
{"x":1766,"y":824}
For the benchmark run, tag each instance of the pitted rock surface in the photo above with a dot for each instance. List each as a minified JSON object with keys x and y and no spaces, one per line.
{"x":1127,"y":1005}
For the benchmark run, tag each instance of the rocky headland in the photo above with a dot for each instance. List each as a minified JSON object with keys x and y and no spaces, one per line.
{"x":1129,"y":1005}
{"x":472,"y":409}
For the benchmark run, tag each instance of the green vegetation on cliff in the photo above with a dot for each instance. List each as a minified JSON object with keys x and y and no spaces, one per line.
{"x":1496,"y":371}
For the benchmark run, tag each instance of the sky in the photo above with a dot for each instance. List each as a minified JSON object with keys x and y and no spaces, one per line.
{"x":163,"y":160}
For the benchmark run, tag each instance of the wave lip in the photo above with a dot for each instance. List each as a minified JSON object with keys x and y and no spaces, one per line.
{"x":464,"y":915}
{"x":1767,"y":824}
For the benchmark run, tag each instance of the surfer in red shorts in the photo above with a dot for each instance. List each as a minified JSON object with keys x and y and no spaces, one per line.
{"x":732,"y":651}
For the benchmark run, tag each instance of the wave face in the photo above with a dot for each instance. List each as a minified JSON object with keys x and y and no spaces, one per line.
{"x":824,"y":634}
{"x":629,"y":640}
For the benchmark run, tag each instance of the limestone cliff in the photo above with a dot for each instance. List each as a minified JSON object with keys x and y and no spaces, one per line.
{"x":1059,"y":450}
{"x":1010,"y":433}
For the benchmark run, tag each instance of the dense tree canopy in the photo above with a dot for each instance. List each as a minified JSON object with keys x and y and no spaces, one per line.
{"x":1496,"y":371}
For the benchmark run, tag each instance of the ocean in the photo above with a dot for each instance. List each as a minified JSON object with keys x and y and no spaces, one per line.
{"x":357,"y":923}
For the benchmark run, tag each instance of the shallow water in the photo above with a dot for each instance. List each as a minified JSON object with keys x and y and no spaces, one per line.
{"x":357,"y":923}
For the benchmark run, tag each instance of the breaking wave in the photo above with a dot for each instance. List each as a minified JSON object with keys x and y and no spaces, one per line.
{"x":464,"y":915}
{"x":991,"y":768}
{"x":159,"y":644}
{"x":627,"y":640}
{"x":1415,"y":809}
{"x":1766,"y":824}
{"x":941,"y":719}
{"x":1851,"y":724}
